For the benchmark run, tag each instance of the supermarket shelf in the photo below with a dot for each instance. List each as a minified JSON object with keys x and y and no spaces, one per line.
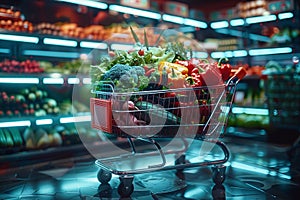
{"x":45,"y":120}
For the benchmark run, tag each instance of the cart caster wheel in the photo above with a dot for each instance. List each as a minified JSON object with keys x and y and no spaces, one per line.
{"x":104,"y":176}
{"x":125,"y":189}
{"x":180,"y":160}
{"x":105,"y":190}
{"x":218,"y":173}
{"x":218,"y":192}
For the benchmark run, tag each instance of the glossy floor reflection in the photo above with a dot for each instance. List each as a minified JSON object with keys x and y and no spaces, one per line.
{"x":256,"y":170}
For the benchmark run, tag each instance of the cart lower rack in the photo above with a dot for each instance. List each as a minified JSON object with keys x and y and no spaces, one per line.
{"x":160,"y":126}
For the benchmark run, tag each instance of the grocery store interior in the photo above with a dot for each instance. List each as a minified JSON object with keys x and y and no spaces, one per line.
{"x":68,"y":130}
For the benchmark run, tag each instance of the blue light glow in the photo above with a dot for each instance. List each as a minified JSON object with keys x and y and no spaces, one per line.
{"x":220,"y":24}
{"x":237,"y":22}
{"x":89,"y":3}
{"x":270,"y":51}
{"x":4,"y":50}
{"x":93,"y":45}
{"x":43,"y":121}
{"x":19,"y":38}
{"x":134,"y":11}
{"x":17,"y":80}
{"x":173,"y":19}
{"x":56,"y":54}
{"x":59,"y":42}
{"x":259,"y":19}
{"x":240,"y":53}
{"x":15,"y":123}
{"x":286,"y":15}
{"x":53,"y":81}
{"x":195,"y":23}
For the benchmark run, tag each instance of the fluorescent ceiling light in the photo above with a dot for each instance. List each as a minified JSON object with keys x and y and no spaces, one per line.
{"x":286,"y":15}
{"x":259,"y":19}
{"x":19,"y":38}
{"x":53,"y":81}
{"x":250,"y":111}
{"x":89,"y":3}
{"x":269,"y":51}
{"x":93,"y":45}
{"x":125,"y":47}
{"x":43,"y":121}
{"x":4,"y":50}
{"x":195,"y":23}
{"x":240,"y":53}
{"x":17,"y":80}
{"x":15,"y":123}
{"x":173,"y":19}
{"x":220,"y":24}
{"x":59,"y":42}
{"x":73,"y":81}
{"x":237,"y":22}
{"x":134,"y":11}
{"x":87,"y":81}
{"x":84,"y":118}
{"x":56,"y":54}
{"x":228,"y":54}
{"x":199,"y":54}
{"x":217,"y":54}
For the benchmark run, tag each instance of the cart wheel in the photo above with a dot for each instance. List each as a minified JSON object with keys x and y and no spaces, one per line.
{"x":105,"y":190}
{"x":104,"y":176}
{"x":218,"y":192}
{"x":125,"y":189}
{"x":180,"y":160}
{"x":218,"y":173}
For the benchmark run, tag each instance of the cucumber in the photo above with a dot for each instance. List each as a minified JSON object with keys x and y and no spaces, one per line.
{"x":16,"y":136}
{"x":9,"y":140}
{"x":148,"y":109}
{"x":2,"y":139}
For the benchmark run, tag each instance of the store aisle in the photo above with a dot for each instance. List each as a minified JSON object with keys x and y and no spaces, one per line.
{"x":256,"y":170}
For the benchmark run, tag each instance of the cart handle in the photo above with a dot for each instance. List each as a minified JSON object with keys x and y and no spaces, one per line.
{"x":238,"y":75}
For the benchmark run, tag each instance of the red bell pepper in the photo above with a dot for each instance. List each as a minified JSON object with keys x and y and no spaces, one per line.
{"x":225,"y":68}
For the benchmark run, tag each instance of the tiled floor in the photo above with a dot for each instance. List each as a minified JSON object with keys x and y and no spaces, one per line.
{"x":256,"y":170}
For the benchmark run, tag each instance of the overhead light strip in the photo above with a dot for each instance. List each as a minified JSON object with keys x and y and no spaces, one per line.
{"x":43,"y":122}
{"x":73,"y":81}
{"x":125,"y":47}
{"x":134,"y":11}
{"x":93,"y":45}
{"x":56,"y":54}
{"x":237,"y":22}
{"x":60,"y":42}
{"x":65,"y":120}
{"x":195,"y":23}
{"x":270,"y":51}
{"x":219,"y":24}
{"x":17,"y":80}
{"x":286,"y":15}
{"x":89,"y":3}
{"x":2,"y":50}
{"x":19,"y":38}
{"x":53,"y":81}
{"x":173,"y":19}
{"x":15,"y":124}
{"x":259,"y":19}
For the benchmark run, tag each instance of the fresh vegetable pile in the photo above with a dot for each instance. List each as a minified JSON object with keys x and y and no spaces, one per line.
{"x":160,"y":68}
{"x":171,"y":66}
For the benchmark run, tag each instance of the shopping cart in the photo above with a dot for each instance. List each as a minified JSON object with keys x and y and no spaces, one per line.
{"x":163,"y":120}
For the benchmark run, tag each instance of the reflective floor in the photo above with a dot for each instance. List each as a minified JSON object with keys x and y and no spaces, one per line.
{"x":256,"y":170}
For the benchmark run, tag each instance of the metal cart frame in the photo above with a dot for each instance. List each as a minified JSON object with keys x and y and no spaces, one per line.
{"x":210,"y":125}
